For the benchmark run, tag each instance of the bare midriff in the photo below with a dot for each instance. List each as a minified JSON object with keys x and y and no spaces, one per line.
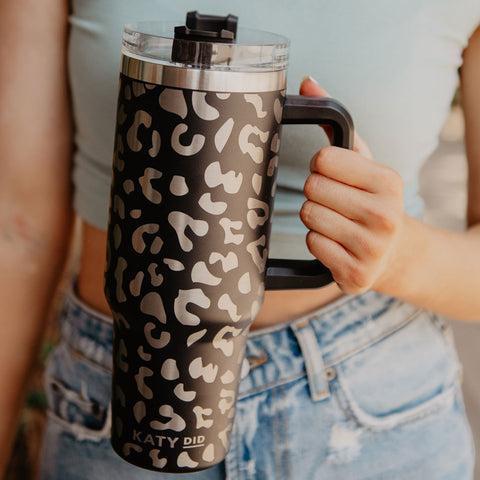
{"x":279,"y":306}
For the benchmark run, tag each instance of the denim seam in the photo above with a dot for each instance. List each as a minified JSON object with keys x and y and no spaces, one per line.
{"x":313,"y":359}
{"x":332,"y":362}
{"x":277,"y":444}
{"x":286,"y":448}
{"x":269,"y":385}
{"x":232,"y":467}
{"x":372,"y":341}
{"x":82,"y":358}
{"x":77,"y":303}
{"x":306,"y":318}
{"x":444,"y":329}
{"x":257,"y":361}
{"x":432,"y":406}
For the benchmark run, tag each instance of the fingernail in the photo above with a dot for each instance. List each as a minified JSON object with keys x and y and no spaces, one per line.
{"x":308,"y":77}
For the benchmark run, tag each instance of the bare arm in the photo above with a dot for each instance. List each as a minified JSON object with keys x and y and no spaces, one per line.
{"x":35,"y":217}
{"x":358,"y":229}
{"x":443,"y":274}
{"x":470,"y":81}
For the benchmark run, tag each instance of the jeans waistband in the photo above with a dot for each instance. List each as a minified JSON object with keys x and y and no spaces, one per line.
{"x":285,"y":352}
{"x":314,"y":343}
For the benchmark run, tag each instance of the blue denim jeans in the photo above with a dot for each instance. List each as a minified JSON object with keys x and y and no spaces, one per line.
{"x":365,"y":388}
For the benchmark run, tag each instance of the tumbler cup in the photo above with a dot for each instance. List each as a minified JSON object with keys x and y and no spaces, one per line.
{"x":195,"y":163}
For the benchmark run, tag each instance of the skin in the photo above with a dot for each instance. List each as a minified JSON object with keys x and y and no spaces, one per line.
{"x":353,"y":209}
{"x":358,"y":228}
{"x":35,"y":211}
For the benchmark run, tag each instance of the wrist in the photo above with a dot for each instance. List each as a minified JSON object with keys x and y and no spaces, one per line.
{"x":395,"y":277}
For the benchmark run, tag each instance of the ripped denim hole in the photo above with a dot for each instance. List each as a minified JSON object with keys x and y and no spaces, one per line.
{"x":75,"y":407}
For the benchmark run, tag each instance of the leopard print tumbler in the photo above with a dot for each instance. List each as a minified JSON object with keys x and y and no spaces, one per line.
{"x":191,"y":201}
{"x":191,"y":205}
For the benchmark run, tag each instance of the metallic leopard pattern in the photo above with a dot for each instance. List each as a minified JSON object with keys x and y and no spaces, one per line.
{"x":191,"y":202}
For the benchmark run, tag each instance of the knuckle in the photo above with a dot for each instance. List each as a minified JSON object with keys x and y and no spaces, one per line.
{"x":311,"y":241}
{"x":373,"y":248}
{"x":388,"y":222}
{"x":383,"y":217}
{"x":391,"y":180}
{"x":306,"y":212}
{"x":359,"y":279}
{"x":311,"y":185}
{"x":367,"y":243}
{"x":323,"y":158}
{"x":341,"y":277}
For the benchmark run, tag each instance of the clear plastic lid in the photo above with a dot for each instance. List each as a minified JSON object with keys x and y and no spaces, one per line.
{"x":253,"y":50}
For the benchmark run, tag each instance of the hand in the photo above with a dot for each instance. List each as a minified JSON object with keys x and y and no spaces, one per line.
{"x":354,"y":211}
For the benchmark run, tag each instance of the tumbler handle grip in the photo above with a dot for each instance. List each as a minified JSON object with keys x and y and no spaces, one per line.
{"x":283,"y":274}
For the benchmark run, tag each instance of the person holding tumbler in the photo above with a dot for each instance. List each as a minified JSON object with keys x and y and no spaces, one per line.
{"x":359,"y":379}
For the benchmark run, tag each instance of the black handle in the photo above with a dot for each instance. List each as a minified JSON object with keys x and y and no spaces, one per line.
{"x":284,"y":274}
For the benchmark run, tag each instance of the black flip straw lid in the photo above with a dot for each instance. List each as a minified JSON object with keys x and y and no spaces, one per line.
{"x":208,"y":29}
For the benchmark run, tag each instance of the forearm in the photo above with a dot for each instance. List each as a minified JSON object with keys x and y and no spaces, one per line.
{"x":359,"y":230}
{"x":35,"y":212}
{"x":436,"y":269}
{"x":27,"y":285}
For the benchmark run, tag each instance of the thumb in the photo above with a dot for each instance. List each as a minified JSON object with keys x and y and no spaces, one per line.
{"x":309,"y":87}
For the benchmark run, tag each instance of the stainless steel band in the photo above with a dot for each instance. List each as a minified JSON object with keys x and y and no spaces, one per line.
{"x":201,"y":79}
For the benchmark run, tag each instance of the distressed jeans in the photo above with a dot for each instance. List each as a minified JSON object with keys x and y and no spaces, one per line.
{"x":365,"y":388}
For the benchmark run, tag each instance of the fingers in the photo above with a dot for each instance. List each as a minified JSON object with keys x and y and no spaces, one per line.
{"x":348,"y":273}
{"x":354,"y":237}
{"x":354,"y":211}
{"x":310,"y":88}
{"x":354,"y":204}
{"x":356,"y":254}
{"x":354,"y":169}
{"x":360,"y":146}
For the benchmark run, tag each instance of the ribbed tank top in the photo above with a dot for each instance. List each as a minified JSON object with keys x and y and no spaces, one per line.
{"x":393,"y":64}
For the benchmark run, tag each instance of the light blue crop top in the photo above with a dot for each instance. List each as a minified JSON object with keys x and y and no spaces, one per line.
{"x":393,"y":64}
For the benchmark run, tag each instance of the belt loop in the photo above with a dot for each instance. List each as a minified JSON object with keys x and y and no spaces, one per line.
{"x":317,"y":378}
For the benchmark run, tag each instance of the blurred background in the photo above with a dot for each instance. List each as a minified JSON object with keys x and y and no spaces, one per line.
{"x":443,"y":187}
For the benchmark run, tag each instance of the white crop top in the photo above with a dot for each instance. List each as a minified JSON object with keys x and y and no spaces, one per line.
{"x":393,"y":64}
